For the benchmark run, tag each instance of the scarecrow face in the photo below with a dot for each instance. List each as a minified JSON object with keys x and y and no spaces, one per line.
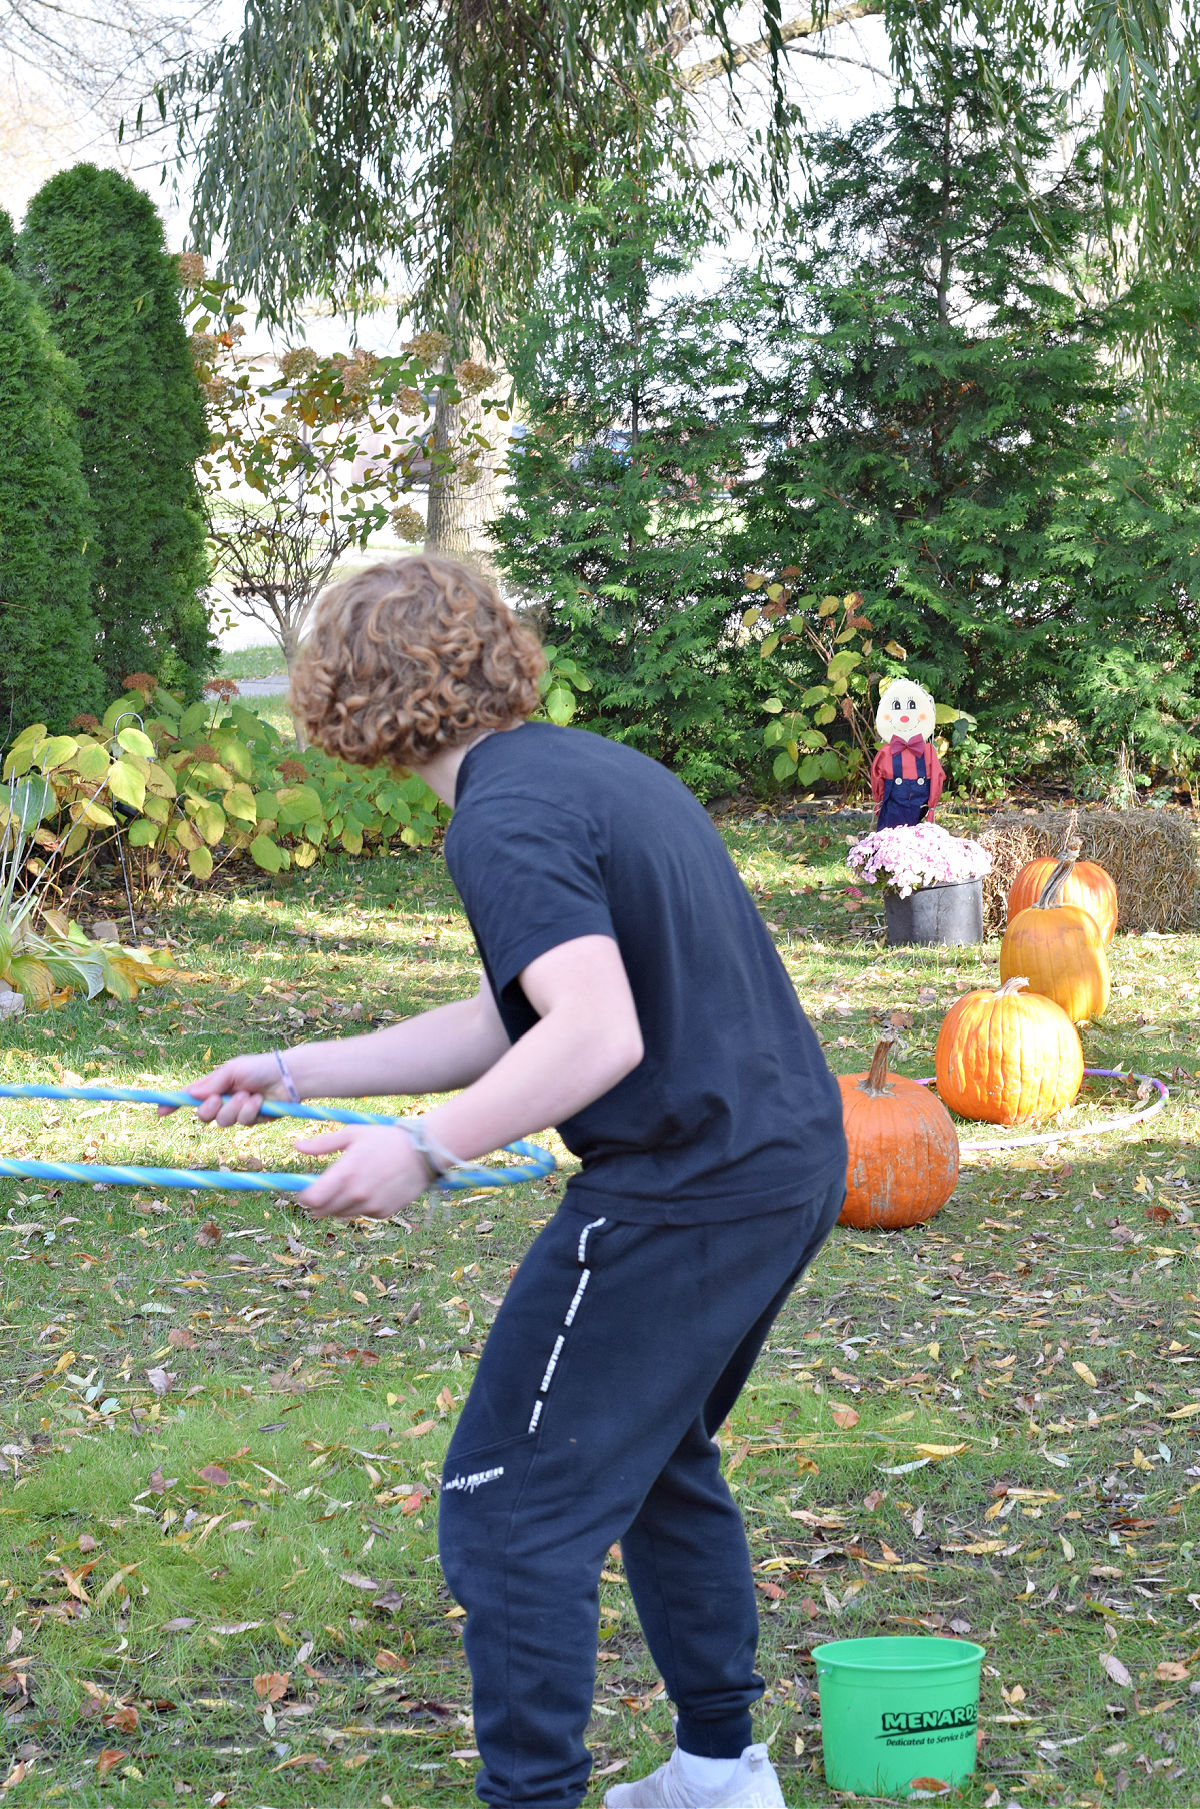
{"x":906,"y":710}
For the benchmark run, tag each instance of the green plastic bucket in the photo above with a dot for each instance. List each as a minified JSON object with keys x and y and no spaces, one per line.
{"x":898,"y":1714}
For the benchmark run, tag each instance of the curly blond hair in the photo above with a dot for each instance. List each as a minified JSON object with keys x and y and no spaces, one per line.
{"x":410,"y":657}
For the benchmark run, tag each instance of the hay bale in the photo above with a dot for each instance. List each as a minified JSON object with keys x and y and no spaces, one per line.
{"x":1152,"y":855}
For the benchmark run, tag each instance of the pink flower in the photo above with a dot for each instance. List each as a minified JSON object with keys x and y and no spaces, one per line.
{"x":907,"y":859}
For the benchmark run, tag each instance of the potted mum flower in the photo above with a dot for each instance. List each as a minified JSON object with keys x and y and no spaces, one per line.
{"x":932,"y":882}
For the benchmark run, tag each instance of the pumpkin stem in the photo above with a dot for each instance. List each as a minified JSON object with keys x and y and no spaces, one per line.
{"x":1011,"y":986}
{"x":875,"y":1081}
{"x":1048,"y":897}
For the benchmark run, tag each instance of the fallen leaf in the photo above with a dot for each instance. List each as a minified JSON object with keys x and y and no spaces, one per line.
{"x":227,"y":1627}
{"x":272,"y":1686}
{"x":160,"y":1380}
{"x":1170,"y":1672}
{"x":1112,"y":1665}
{"x":179,"y":1338}
{"x":356,"y":1581}
{"x":387,"y":1660}
{"x":180,"y":1624}
{"x":215,"y":1474}
{"x":123,"y":1720}
{"x":112,"y":1755}
{"x":311,"y":1759}
{"x":1085,"y":1374}
{"x":209,"y":1234}
{"x":845,"y":1417}
{"x":936,"y":1452}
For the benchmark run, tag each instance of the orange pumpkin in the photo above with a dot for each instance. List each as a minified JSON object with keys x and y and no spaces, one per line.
{"x":903,"y":1163}
{"x":1087,"y":885}
{"x":1007,"y":1056}
{"x":1059,"y":949}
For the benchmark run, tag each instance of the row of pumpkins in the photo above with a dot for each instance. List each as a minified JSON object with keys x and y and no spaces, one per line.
{"x":1003,"y":1057}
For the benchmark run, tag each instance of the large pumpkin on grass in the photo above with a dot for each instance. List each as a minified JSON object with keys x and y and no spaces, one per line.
{"x":903,"y":1162}
{"x":1087,"y":885}
{"x":1008,"y":1056}
{"x":1059,"y":950}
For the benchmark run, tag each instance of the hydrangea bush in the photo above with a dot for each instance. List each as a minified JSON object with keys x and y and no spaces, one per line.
{"x":906,"y":859}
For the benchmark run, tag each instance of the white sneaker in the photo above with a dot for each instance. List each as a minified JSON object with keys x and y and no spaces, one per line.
{"x":754,"y":1786}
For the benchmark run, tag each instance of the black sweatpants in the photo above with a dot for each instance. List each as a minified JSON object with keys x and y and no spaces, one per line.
{"x":619,"y":1350}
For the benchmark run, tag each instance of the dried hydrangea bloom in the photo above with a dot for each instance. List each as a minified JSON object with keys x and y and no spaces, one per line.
{"x":408,"y":523}
{"x":190,"y":266}
{"x":428,"y":346}
{"x":140,"y":681}
{"x":473,"y":378}
{"x":297,"y":362}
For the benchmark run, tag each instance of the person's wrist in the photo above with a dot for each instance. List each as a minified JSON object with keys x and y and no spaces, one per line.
{"x":285,"y":1080}
{"x":439,"y":1161}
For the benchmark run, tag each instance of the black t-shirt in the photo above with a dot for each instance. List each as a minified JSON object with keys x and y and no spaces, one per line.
{"x":558,"y":833}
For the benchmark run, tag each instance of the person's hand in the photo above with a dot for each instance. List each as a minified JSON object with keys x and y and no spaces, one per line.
{"x":247,"y":1079}
{"x":379,"y":1174}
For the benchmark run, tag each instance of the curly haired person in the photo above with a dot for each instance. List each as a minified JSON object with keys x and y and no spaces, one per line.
{"x":632,"y":997}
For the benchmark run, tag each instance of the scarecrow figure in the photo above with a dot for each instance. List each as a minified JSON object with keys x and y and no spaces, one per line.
{"x":906,"y":774}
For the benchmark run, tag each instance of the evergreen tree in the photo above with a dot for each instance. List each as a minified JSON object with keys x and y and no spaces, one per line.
{"x":937,"y":401}
{"x":619,"y":487}
{"x":8,"y":241}
{"x":93,"y":247}
{"x":47,"y":669}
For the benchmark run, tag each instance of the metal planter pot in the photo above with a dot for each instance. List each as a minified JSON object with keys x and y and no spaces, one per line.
{"x":949,"y":915}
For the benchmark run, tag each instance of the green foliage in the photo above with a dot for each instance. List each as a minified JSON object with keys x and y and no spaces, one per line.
{"x":334,"y":140}
{"x":193,"y":786}
{"x":309,"y":456}
{"x":93,"y":248}
{"x":46,"y":523}
{"x":619,"y":490}
{"x":943,"y":424}
{"x":43,"y":955}
{"x":8,"y":241}
{"x":824,"y":732}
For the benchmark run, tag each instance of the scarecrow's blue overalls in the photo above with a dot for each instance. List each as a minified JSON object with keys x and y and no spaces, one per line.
{"x":904,"y":801}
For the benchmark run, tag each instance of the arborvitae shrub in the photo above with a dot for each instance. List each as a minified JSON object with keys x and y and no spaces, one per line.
{"x":93,"y":247}
{"x":47,"y":631}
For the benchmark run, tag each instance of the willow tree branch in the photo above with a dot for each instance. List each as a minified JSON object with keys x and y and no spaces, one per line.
{"x":697,"y":74}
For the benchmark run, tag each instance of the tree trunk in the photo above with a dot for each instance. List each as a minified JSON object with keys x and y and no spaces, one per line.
{"x":466,"y":495}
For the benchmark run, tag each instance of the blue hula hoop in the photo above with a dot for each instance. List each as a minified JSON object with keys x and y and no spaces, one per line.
{"x":535,"y":1163}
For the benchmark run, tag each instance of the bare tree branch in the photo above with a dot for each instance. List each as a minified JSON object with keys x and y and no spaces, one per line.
{"x":695,"y":75}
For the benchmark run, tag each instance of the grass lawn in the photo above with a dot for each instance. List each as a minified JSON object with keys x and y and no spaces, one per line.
{"x":251,"y":662}
{"x":223,"y":1424}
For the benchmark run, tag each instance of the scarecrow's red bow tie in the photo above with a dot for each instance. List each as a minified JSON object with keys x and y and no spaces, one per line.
{"x":897,"y":744}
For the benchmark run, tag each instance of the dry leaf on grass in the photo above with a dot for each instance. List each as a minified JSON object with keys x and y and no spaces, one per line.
{"x":272,"y":1686}
{"x":1112,"y":1665}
